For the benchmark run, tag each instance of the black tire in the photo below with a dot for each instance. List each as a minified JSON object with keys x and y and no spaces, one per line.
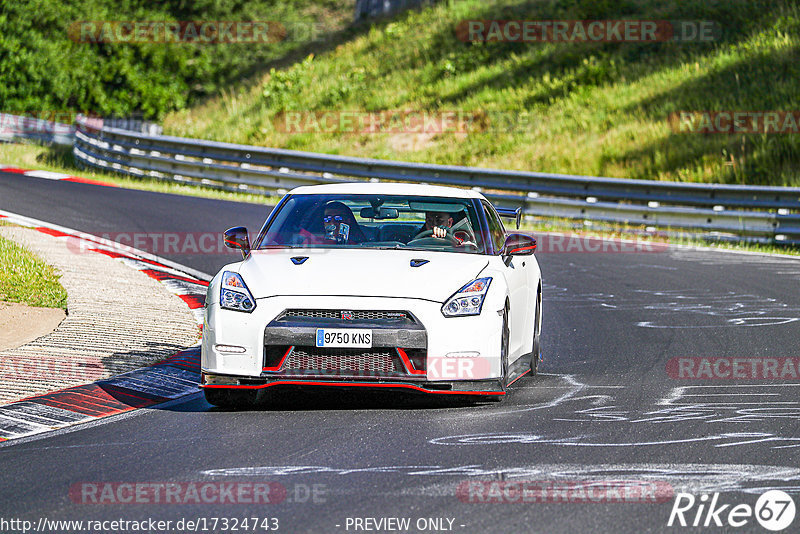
{"x":503,"y":356}
{"x":504,"y":347}
{"x":536,"y":355}
{"x":231,"y":398}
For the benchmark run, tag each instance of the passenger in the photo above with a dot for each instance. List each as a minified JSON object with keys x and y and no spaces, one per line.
{"x":340,"y":225}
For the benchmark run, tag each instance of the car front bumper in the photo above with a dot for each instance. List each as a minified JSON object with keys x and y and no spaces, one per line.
{"x":462,"y":350}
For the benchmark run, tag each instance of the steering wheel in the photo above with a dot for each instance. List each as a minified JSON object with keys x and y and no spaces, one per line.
{"x":426,"y":238}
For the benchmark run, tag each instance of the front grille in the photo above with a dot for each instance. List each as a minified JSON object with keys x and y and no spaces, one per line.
{"x":418,"y":358}
{"x":358,"y":315}
{"x":341,"y":361}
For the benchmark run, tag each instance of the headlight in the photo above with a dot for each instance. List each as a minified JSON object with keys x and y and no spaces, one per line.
{"x":468,"y":300}
{"x":234,"y":295}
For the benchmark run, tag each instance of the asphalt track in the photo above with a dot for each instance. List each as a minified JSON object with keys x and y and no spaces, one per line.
{"x":605,"y":409}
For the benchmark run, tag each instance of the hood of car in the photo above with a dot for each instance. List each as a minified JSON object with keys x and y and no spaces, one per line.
{"x":353,"y":272}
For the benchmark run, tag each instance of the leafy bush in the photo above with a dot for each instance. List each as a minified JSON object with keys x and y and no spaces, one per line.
{"x":282,"y":84}
{"x":44,"y":70}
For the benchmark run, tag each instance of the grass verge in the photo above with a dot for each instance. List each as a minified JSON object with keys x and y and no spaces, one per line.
{"x":27,"y":279}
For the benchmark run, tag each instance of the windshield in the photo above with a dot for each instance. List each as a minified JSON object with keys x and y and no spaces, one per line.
{"x":376,"y":222}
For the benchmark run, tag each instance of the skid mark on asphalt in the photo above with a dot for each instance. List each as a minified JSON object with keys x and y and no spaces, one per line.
{"x":764,"y":265}
{"x":728,"y":403}
{"x":686,"y":308}
{"x":571,"y":386}
{"x":722,"y":405}
{"x":688,"y":477}
{"x":730,"y":439}
{"x":568,"y":388}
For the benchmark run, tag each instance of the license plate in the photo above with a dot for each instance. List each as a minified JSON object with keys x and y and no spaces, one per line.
{"x":343,"y":337}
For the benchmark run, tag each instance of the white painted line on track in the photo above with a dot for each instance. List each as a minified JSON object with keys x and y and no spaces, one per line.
{"x":48,"y":175}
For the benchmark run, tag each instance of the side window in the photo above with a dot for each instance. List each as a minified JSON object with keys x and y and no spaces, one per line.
{"x":496,"y":230}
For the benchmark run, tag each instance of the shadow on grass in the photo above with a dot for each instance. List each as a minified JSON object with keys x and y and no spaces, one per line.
{"x":58,"y":156}
{"x":761,"y":82}
{"x":565,"y":63}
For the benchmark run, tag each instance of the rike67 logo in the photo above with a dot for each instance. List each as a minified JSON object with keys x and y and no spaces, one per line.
{"x":774,"y":510}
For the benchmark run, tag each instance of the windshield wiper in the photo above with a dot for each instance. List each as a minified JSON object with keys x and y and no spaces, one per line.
{"x":386,"y":247}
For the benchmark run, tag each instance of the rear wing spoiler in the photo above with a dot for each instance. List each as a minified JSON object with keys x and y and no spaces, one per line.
{"x":510,"y":213}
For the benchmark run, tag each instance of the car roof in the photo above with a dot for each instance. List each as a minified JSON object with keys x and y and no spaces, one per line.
{"x":370,"y":188}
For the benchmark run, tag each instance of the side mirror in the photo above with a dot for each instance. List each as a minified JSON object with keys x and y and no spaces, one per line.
{"x":519,"y":245}
{"x":237,"y":237}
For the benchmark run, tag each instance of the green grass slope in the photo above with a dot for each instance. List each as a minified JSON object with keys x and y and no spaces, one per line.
{"x":595,"y":108}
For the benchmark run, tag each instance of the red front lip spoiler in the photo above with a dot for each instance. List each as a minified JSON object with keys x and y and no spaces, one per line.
{"x":352,"y":384}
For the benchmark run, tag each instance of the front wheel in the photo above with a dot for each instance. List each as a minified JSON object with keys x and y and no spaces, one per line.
{"x":231,"y":398}
{"x":503,"y":356}
{"x":536,"y":354}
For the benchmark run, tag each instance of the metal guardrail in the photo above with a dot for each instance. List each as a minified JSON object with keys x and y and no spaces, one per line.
{"x":761,"y":212}
{"x":133,"y":124}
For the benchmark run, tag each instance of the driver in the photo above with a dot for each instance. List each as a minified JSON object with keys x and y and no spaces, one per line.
{"x":442,"y":225}
{"x":438,"y":222}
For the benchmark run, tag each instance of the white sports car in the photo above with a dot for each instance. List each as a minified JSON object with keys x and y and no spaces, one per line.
{"x":374,"y":285}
